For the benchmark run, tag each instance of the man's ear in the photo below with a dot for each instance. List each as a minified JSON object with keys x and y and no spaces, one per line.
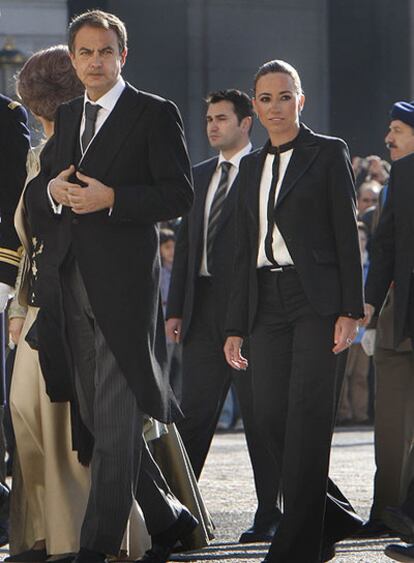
{"x":301,"y":102}
{"x":72,"y":58}
{"x":246,"y":123}
{"x":124,"y":56}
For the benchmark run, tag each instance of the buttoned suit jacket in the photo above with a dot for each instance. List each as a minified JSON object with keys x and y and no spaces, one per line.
{"x":315,"y":213}
{"x":140,"y":152}
{"x":189,"y":251}
{"x":392,"y":256}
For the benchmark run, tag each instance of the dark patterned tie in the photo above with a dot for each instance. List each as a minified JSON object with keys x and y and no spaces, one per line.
{"x":215,"y":210}
{"x":272,"y":194}
{"x":91,"y":113}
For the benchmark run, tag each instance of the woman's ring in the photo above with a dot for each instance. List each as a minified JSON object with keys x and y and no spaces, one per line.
{"x":349,"y":341}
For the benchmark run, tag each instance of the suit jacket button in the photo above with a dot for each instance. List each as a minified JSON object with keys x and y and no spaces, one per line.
{"x":75,"y":221}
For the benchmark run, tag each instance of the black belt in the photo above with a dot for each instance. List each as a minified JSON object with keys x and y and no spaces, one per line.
{"x":276,"y":269}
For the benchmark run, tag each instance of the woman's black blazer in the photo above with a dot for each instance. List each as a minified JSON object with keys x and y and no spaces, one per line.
{"x":315,"y":213}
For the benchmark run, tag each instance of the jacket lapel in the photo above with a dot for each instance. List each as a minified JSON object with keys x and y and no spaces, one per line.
{"x":71,"y":119}
{"x":201,"y":194}
{"x":254,"y":180}
{"x":108,"y":141}
{"x":303,"y":155}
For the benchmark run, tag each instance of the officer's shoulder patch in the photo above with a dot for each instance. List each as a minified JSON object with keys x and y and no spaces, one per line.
{"x":14,"y":105}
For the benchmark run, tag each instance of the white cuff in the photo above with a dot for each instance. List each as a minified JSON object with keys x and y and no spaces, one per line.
{"x":57,"y":207}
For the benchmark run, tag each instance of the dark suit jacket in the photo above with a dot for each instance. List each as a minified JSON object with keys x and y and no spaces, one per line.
{"x":315,"y":213}
{"x":189,"y":248}
{"x":14,"y":144}
{"x":392,"y":256}
{"x":140,"y":152}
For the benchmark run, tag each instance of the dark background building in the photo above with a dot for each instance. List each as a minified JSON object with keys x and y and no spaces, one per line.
{"x":354,"y":57}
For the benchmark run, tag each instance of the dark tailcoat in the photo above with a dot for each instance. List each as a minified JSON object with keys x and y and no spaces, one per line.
{"x":14,"y":144}
{"x":140,"y":152}
{"x":392,"y":255}
{"x":315,"y":213}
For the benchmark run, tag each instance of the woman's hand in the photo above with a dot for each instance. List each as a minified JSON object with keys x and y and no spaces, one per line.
{"x":345,"y":331}
{"x":15,"y":329}
{"x":232,"y":351}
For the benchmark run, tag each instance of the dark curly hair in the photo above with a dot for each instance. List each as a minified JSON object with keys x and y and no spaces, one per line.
{"x":47,"y":80}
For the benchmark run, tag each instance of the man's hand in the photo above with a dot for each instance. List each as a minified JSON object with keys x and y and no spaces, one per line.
{"x":232,"y":351}
{"x":173,"y":329}
{"x":15,"y":329}
{"x":369,"y":311}
{"x":95,"y":196}
{"x":59,"y":186}
{"x":345,"y":331}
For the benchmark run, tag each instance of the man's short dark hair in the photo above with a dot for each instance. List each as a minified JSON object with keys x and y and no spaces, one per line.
{"x":242,"y":103}
{"x":166,"y":235}
{"x":98,"y":18}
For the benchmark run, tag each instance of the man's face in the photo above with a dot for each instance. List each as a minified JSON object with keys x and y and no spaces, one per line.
{"x":224,"y":131}
{"x":97,"y":60}
{"x":399,"y":139}
{"x":366,"y":199}
{"x":167,"y":252}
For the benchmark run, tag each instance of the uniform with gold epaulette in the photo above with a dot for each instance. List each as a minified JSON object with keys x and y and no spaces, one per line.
{"x":14,"y":144}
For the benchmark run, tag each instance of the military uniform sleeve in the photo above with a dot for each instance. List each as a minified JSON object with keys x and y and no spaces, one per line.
{"x":14,"y":144}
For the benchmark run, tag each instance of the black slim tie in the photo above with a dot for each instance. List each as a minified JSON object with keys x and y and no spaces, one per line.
{"x":272,"y":193}
{"x":215,"y":210}
{"x":91,"y":113}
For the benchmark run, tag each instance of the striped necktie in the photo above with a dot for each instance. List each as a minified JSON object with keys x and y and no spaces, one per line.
{"x":91,"y":113}
{"x":215,"y":210}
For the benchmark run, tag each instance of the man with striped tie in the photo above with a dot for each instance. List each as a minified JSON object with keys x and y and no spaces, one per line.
{"x":200,"y":286}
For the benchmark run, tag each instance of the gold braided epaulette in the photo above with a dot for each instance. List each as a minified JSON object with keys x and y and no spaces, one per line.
{"x":14,"y":105}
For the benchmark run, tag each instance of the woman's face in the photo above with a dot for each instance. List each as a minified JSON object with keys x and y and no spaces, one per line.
{"x":278,"y":106}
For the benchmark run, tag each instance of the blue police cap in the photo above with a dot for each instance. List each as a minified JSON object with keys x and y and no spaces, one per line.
{"x":404,"y":111}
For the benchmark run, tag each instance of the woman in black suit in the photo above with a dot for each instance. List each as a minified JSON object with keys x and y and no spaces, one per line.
{"x":297,"y":293}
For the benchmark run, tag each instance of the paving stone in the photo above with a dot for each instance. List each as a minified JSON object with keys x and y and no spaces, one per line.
{"x":227,"y":485}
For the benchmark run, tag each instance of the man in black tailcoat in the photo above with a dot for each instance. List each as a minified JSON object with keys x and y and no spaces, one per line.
{"x":119,"y":166}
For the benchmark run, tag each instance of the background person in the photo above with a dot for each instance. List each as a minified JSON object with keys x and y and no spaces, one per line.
{"x":201,"y":282}
{"x":394,"y":367}
{"x":14,"y":144}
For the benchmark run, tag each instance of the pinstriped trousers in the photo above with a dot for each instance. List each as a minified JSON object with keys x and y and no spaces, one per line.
{"x":110,"y":411}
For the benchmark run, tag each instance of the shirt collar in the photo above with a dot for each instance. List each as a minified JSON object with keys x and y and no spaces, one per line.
{"x":108,"y":100}
{"x":236,"y":158}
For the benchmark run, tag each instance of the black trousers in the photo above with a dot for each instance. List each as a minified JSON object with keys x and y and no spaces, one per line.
{"x":121,"y":463}
{"x":206,"y":380}
{"x":294,"y":392}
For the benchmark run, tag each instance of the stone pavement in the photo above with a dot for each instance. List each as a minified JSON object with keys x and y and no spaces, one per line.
{"x":227,"y":485}
{"x":228,"y":489}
